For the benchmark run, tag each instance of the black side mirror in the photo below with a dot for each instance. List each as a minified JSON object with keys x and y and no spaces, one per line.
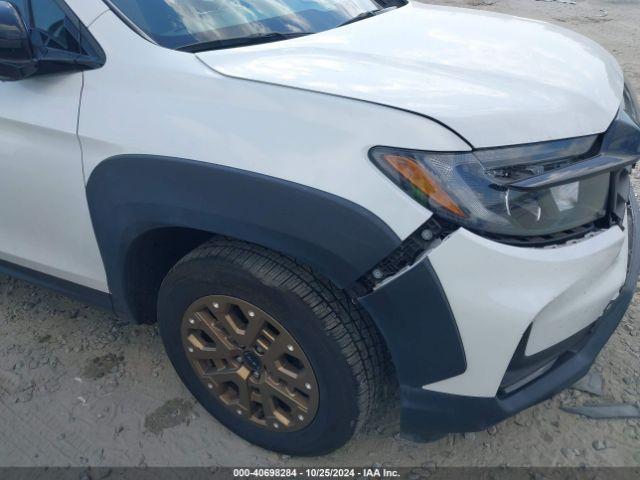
{"x":17,"y":60}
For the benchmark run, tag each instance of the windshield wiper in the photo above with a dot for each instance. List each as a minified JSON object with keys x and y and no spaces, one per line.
{"x":367,"y":14}
{"x":254,"y":39}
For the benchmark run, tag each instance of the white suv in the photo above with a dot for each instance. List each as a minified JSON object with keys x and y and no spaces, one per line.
{"x":319,"y":198}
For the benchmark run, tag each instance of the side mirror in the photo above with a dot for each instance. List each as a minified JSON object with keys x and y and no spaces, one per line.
{"x":17,"y":60}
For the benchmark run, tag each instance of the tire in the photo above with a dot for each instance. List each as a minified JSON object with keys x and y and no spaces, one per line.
{"x":343,"y":348}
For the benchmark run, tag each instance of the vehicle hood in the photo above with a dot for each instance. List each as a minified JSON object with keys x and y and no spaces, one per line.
{"x":494,"y":79}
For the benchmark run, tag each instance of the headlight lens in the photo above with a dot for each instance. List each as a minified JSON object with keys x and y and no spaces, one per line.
{"x":630,"y":104}
{"x":472,"y":188}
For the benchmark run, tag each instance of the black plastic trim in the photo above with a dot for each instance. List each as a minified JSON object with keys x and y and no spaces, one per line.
{"x":576,"y":171}
{"x":413,"y":314}
{"x":557,"y":238}
{"x":620,"y":148}
{"x":521,"y":365}
{"x":53,"y":60}
{"x":428,"y":415}
{"x":407,"y":254}
{"x":131,"y":195}
{"x":70,"y":289}
{"x":118,"y":13}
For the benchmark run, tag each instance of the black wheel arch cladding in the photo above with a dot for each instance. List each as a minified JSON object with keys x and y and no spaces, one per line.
{"x":130,"y":196}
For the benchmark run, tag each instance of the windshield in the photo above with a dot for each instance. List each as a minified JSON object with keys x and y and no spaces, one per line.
{"x":184,"y":24}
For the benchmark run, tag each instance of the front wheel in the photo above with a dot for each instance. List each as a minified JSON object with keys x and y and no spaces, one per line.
{"x":276,"y":354}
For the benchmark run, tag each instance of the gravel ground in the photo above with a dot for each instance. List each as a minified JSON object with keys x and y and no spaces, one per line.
{"x":78,"y":389}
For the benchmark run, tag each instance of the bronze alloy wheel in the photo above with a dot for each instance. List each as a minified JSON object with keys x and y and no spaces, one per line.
{"x":250,"y":363}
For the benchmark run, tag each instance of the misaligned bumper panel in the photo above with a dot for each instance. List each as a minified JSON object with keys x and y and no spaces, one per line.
{"x":413,"y":314}
{"x":429,"y":415}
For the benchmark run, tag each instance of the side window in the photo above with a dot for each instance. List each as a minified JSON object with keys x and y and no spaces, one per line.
{"x":56,"y":29}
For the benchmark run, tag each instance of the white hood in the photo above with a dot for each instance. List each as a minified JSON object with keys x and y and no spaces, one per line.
{"x":494,"y":79}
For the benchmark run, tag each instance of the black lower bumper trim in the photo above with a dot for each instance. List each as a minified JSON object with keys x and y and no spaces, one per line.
{"x":430,"y":415}
{"x":415,"y":318}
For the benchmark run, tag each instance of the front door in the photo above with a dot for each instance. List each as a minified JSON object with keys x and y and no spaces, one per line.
{"x":44,"y":219}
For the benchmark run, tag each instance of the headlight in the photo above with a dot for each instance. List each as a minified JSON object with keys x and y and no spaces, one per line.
{"x":630,"y":104}
{"x":472,"y":188}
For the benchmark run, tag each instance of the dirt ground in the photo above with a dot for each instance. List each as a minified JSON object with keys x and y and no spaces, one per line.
{"x":78,"y":389}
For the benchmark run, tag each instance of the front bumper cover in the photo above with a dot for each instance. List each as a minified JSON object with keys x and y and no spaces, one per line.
{"x":428,"y":415}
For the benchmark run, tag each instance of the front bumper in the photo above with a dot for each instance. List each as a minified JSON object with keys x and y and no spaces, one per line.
{"x":432,"y":369}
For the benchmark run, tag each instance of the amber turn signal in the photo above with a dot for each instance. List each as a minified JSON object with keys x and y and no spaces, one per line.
{"x":420,"y":179}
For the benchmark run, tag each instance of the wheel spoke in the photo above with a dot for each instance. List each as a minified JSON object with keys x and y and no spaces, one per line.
{"x":202,"y":349}
{"x":244,"y":396}
{"x":268,"y":408}
{"x":221,"y":376}
{"x":237,"y":378}
{"x":242,"y":323}
{"x":293,"y":380}
{"x":276,"y":391}
{"x":275,"y":350}
{"x":253,"y":330}
{"x":207,"y":353}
